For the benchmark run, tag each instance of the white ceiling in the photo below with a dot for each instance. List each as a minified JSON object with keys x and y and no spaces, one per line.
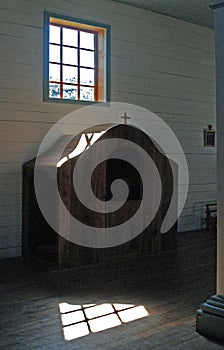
{"x":194,"y":11}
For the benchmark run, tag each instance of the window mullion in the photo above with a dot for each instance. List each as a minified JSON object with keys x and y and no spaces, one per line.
{"x":61,"y":60}
{"x":96,"y":64}
{"x":78,"y":65}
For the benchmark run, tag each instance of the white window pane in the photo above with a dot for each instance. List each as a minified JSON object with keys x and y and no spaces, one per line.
{"x":86,"y":58}
{"x":70,"y":92}
{"x":133,"y":314}
{"x":70,"y":55}
{"x":54,"y":53}
{"x":70,"y":74}
{"x":105,"y":322}
{"x":65,"y":307}
{"x":54,"y":72}
{"x":70,"y":37}
{"x":87,"y":40}
{"x":54,"y":90}
{"x":72,"y":317}
{"x":86,"y":94}
{"x":120,"y":307}
{"x":87,"y":305}
{"x":99,"y":310}
{"x":75,"y":331}
{"x":54,"y":34}
{"x":87,"y":76}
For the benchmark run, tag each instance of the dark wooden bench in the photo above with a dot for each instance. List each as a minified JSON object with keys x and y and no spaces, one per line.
{"x":211,"y":216}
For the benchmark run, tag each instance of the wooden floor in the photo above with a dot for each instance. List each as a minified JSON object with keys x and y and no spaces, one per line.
{"x":170,"y":291}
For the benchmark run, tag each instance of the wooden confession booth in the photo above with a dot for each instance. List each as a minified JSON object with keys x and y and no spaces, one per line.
{"x":42,"y":242}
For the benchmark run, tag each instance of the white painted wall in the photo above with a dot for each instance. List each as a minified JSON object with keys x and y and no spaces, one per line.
{"x":219,"y":31}
{"x":157,"y":62}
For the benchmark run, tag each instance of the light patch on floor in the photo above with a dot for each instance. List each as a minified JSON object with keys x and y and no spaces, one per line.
{"x":81,"y":320}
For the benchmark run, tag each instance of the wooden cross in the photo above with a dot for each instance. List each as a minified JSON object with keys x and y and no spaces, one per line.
{"x":125,"y":117}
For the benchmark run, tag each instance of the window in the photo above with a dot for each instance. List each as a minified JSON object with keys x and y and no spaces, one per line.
{"x":76,"y":65}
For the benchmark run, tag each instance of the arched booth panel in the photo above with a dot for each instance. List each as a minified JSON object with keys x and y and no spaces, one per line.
{"x":107,"y":165}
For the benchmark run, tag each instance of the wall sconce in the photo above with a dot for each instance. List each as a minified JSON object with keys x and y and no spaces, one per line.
{"x":209,"y":136}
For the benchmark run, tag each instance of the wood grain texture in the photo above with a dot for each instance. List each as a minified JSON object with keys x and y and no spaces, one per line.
{"x":40,"y":240}
{"x":170,"y":290}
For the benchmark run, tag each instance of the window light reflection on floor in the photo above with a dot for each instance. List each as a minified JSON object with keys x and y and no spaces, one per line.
{"x":81,"y":320}
{"x":72,"y":317}
{"x":76,"y":331}
{"x":104,"y":322}
{"x":99,"y":310}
